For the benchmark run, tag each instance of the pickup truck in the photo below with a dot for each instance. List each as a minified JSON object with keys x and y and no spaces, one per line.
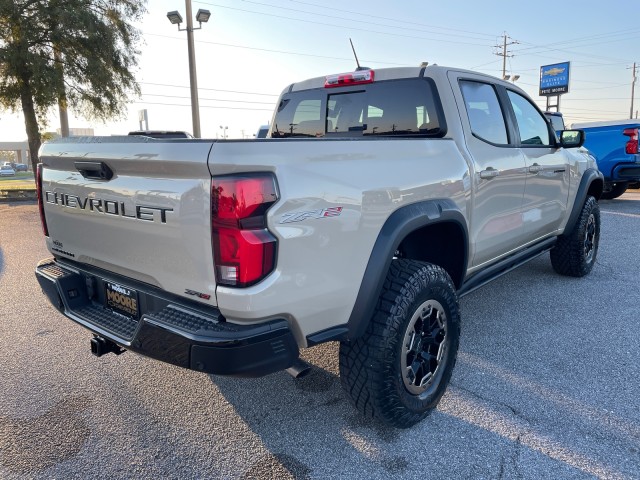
{"x":381,"y":197}
{"x":615,"y":146}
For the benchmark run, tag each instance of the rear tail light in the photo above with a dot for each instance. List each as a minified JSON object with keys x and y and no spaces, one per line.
{"x":39,"y":193}
{"x":244,"y":249}
{"x":346,"y":79}
{"x":632,"y":144}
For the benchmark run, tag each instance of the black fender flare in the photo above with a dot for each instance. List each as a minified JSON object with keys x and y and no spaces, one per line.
{"x":400,"y":223}
{"x":589,"y":176}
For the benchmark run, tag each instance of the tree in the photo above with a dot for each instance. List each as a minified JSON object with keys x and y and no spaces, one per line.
{"x":7,"y":156}
{"x":76,"y":53}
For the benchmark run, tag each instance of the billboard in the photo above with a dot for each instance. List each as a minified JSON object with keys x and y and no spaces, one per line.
{"x":554,"y":79}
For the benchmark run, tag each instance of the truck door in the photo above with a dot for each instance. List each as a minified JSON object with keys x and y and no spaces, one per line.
{"x":499,"y":179}
{"x":547,"y":186}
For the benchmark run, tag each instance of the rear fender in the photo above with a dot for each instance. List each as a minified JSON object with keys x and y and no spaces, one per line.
{"x":400,"y":225}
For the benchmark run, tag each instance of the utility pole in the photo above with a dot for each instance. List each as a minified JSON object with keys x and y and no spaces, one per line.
{"x":504,"y":53}
{"x":633,"y":88}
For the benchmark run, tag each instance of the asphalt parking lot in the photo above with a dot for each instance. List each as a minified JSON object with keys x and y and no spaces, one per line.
{"x":547,"y":385}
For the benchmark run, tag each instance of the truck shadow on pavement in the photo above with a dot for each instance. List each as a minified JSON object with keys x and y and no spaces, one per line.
{"x":503,"y":416}
{"x":305,"y":423}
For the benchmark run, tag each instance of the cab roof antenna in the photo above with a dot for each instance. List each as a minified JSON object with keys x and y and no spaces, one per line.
{"x":355,"y":55}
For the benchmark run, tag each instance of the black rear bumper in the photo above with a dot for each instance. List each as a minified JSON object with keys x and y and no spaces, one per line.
{"x":169,"y":329}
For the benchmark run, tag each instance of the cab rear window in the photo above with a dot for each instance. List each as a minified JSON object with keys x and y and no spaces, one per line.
{"x":391,"y":108}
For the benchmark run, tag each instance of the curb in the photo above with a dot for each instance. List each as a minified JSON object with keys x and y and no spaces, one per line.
{"x":21,"y":195}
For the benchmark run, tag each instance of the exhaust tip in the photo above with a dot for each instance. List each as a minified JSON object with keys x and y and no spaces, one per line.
{"x":299,"y":369}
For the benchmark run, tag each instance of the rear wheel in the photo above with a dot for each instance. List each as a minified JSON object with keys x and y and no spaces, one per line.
{"x":575,"y":253}
{"x":399,"y":369}
{"x":614,"y":190}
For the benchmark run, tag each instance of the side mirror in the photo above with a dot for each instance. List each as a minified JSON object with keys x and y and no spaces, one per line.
{"x":571,"y":138}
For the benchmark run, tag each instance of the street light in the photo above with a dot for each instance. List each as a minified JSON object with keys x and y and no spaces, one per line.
{"x":509,"y":78}
{"x":224,"y":131}
{"x":203,"y":16}
{"x":176,"y":19}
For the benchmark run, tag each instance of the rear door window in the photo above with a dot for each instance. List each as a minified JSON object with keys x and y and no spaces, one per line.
{"x":483,"y":109}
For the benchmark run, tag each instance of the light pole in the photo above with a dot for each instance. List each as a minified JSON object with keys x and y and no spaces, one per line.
{"x":224,"y":131}
{"x":175,"y":18}
{"x":509,"y":78}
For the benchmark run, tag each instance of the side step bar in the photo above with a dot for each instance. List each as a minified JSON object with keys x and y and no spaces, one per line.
{"x":505,"y":266}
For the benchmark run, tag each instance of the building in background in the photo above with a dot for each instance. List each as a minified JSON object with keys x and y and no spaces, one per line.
{"x":78,"y":132}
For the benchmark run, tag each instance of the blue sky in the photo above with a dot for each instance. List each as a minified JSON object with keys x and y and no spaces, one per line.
{"x":250,"y":50}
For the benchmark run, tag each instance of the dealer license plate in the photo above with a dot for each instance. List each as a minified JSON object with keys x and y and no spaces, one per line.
{"x":121,"y":299}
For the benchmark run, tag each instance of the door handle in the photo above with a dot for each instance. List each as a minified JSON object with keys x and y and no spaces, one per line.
{"x":535,"y":168}
{"x":489,"y":173}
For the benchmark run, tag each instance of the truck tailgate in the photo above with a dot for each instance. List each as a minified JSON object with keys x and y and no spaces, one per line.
{"x":133,"y":206}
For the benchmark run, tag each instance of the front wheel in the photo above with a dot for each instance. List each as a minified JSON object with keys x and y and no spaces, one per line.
{"x":399,"y":369}
{"x":575,"y":252}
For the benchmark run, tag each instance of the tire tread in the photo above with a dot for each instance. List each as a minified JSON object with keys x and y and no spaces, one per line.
{"x":366,"y":367}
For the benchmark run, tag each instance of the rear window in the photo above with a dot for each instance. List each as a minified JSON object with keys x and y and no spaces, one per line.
{"x":391,"y":108}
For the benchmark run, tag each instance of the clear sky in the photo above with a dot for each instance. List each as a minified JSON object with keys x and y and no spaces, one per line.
{"x":250,"y":50}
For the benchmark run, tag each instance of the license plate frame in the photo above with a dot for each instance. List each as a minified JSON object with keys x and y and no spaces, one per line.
{"x":122,"y":299}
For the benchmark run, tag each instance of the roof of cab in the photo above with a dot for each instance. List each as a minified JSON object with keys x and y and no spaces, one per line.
{"x":393,"y":74}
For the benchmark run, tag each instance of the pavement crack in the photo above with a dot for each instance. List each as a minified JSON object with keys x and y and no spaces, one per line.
{"x":516,"y":413}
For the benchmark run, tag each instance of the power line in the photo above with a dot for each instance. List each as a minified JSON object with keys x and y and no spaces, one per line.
{"x":138,"y":102}
{"x":533,"y":46}
{"x":211,"y":89}
{"x":341,"y":26}
{"x":209,"y":99}
{"x":359,"y":14}
{"x":272,"y":51}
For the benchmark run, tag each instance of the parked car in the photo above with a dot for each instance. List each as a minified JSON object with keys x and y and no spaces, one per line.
{"x":161,"y":134}
{"x":7,"y":171}
{"x":262,"y":131}
{"x":614,"y":143}
{"x":557,"y":121}
{"x":21,"y":167}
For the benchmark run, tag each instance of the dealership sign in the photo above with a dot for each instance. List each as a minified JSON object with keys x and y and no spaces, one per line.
{"x":554,"y":79}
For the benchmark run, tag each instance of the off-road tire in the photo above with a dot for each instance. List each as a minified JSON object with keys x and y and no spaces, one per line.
{"x":615,"y":190}
{"x":575,"y":252}
{"x":415,"y":295}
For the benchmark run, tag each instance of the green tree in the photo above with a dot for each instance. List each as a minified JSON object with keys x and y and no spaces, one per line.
{"x":76,"y":53}
{"x":7,"y":156}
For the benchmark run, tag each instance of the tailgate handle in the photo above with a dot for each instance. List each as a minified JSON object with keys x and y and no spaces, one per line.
{"x":94,"y":170}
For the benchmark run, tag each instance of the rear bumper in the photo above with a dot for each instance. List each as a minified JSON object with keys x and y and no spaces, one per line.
{"x":627,"y":171}
{"x":168,"y":329}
